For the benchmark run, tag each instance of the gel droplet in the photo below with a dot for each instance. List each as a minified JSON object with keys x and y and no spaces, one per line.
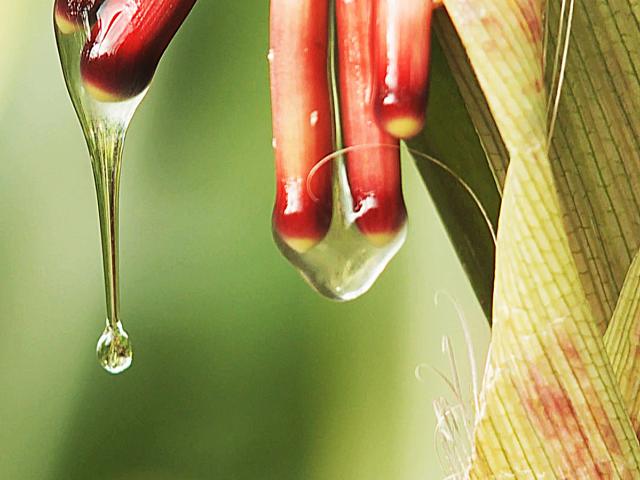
{"x":104,"y":125}
{"x":114,"y":349}
{"x":345,"y":263}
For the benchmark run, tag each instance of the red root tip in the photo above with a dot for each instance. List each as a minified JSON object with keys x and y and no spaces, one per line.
{"x":302,"y":119}
{"x":402,"y":44}
{"x":126,"y":44}
{"x":373,"y":173}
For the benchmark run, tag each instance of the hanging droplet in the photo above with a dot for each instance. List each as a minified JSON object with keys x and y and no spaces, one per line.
{"x":346,"y":262}
{"x":104,"y":126}
{"x":114,"y":349}
{"x":368,"y":222}
{"x":109,"y":52}
{"x":339,"y":223}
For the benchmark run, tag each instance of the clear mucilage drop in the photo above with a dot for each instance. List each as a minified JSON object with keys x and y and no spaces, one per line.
{"x":346,"y":262}
{"x":339,"y":219}
{"x":109,"y":50}
{"x":104,"y":125}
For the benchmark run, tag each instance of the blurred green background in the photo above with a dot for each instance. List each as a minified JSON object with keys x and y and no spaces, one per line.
{"x":241,"y":371}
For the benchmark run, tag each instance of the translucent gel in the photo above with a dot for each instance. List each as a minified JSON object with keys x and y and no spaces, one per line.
{"x":344,"y":264}
{"x":114,"y":349}
{"x":104,"y":126}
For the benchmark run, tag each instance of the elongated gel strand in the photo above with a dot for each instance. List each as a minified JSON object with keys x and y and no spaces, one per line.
{"x":374,"y":175}
{"x":69,"y":14}
{"x":108,"y":52}
{"x":302,"y":120}
{"x":402,"y":45}
{"x":126,"y":44}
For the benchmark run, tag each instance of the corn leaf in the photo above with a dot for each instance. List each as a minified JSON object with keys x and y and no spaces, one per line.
{"x":596,"y":142}
{"x":450,"y":138}
{"x":474,"y":99}
{"x":550,"y":405}
{"x":622,"y":341}
{"x":594,"y":152}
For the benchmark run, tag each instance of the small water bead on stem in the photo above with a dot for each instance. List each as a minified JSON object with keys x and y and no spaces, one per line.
{"x":402,"y":46}
{"x":126,"y":44}
{"x":303,"y":125}
{"x":105,"y":124}
{"x":374,"y":173}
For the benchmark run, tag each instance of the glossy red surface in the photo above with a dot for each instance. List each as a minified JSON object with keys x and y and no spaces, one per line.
{"x":126,"y":44}
{"x":402,"y":44}
{"x":374,"y":168}
{"x":302,"y":119}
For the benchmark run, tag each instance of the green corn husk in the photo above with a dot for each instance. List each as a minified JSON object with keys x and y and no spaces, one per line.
{"x":550,"y":406}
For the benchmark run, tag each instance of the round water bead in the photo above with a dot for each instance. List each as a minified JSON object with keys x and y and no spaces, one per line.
{"x":114,"y":349}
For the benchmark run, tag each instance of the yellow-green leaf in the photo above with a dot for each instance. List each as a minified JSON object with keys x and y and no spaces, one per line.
{"x":595,"y":149}
{"x":550,"y":406}
{"x":623,"y":343}
{"x":596,"y":143}
{"x":450,"y":138}
{"x":476,"y":103}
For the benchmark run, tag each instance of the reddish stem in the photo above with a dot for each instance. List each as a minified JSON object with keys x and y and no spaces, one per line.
{"x":402,"y":48}
{"x":373,"y":172}
{"x":126,"y":44}
{"x":302,"y":119}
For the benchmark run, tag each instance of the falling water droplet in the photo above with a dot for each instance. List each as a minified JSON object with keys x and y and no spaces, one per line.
{"x":114,"y":349}
{"x":345,"y":263}
{"x":104,"y":125}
